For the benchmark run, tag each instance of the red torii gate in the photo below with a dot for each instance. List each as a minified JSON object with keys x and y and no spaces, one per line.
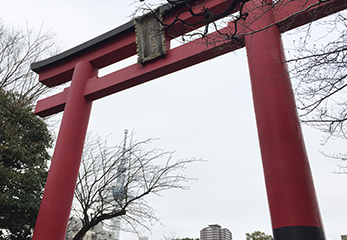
{"x":291,"y":195}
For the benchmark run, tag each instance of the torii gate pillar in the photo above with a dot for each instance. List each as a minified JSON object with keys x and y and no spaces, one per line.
{"x":292,"y":200}
{"x":61,"y":181}
{"x":291,"y":195}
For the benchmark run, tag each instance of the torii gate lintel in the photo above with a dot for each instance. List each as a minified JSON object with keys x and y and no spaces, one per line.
{"x":119,"y":44}
{"x":291,"y":195}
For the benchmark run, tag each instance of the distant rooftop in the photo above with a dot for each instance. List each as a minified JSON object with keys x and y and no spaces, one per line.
{"x":214,"y":226}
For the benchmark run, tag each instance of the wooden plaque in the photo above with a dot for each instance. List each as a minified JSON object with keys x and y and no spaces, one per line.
{"x":150,"y":37}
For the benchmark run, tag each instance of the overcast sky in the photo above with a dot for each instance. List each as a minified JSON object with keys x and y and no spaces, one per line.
{"x":204,"y":111}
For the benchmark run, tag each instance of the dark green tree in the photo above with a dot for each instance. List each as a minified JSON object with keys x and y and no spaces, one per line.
{"x":258,"y":235}
{"x":24,"y":140}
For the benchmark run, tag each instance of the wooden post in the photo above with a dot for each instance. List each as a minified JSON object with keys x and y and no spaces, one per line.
{"x":291,"y":195}
{"x":61,"y":181}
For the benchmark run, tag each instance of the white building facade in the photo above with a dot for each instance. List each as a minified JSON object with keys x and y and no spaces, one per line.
{"x":215,"y":232}
{"x":96,"y":233}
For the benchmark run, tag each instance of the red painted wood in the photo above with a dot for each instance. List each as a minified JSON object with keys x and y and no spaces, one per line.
{"x":115,"y":51}
{"x":176,"y":59}
{"x":289,"y":184}
{"x":59,"y":190}
{"x":289,"y":14}
{"x":212,"y":5}
{"x":53,"y":104}
{"x":111,"y":52}
{"x":288,"y":178}
{"x":121,"y":47}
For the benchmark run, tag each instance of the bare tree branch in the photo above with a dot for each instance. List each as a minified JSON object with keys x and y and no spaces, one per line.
{"x":18,"y":49}
{"x":147,"y":172}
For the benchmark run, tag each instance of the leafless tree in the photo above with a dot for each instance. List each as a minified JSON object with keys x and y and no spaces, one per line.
{"x":206,"y":21}
{"x":203,"y":20}
{"x":319,"y":73}
{"x":18,"y":49}
{"x":172,"y":236}
{"x":100,"y":196}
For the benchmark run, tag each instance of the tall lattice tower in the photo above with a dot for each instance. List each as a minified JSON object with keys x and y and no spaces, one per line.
{"x":119,"y":190}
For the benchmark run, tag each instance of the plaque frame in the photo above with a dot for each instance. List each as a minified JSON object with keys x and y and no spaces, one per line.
{"x":150,"y":36}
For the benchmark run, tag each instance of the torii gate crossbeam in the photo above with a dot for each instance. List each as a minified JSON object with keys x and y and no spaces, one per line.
{"x":291,"y":195}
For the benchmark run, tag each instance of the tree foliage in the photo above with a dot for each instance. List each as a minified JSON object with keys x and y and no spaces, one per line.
{"x":99,"y":196}
{"x":24,"y":139}
{"x":258,"y":235}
